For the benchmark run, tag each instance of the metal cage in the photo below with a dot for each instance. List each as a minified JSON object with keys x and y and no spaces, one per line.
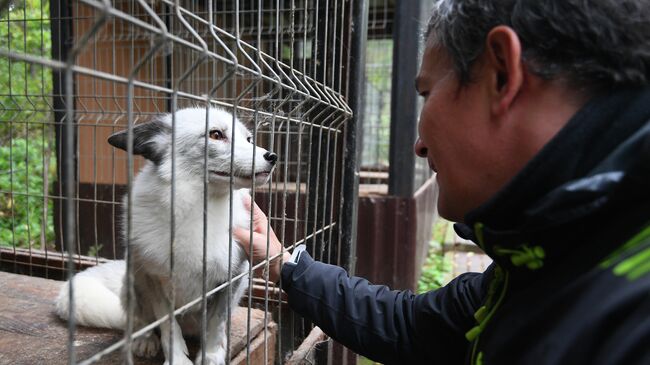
{"x":73,"y":73}
{"x":379,"y":64}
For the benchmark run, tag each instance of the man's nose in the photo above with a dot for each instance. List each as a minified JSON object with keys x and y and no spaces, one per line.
{"x":420,"y":148}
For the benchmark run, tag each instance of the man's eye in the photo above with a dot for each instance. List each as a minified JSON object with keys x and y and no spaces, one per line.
{"x":217,"y":134}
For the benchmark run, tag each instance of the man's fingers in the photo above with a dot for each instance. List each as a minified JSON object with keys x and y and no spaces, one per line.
{"x":246,"y":199}
{"x":259,"y":248}
{"x":250,"y":205}
{"x":243,"y":237}
{"x":258,"y":215}
{"x":259,"y":218}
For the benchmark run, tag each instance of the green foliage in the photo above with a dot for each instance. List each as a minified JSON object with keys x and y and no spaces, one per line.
{"x":94,"y":251}
{"x":443,"y":231}
{"x":379,"y":63}
{"x":26,"y":87}
{"x":437,"y":268}
{"x":379,"y":55}
{"x":26,"y":137}
{"x":364,"y":361}
{"x":435,"y":272}
{"x":24,"y":164}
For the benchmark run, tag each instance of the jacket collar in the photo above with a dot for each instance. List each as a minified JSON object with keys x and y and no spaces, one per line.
{"x":596,"y":167}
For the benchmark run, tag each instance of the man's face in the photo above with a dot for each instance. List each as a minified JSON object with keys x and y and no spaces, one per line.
{"x":478,"y":136}
{"x":456,"y":136}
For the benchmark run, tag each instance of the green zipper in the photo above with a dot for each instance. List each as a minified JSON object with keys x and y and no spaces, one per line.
{"x":475,"y":333}
{"x":633,"y":242}
{"x":482,"y":315}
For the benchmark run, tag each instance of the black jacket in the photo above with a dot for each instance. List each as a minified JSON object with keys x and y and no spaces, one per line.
{"x":570,"y":283}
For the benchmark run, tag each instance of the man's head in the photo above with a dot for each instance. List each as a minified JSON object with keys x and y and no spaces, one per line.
{"x":501,"y":78}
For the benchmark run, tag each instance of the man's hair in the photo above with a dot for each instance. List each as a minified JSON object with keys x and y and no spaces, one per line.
{"x":593,"y":43}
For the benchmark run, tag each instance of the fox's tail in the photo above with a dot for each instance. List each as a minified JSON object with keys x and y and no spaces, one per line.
{"x":97,"y":300}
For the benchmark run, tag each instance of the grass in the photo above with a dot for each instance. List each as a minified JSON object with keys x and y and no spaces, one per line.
{"x":437,"y":268}
{"x":363,"y":361}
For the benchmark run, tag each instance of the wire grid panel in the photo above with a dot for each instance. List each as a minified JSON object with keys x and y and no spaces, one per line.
{"x":381,"y":71}
{"x":379,"y":64}
{"x":74,"y":73}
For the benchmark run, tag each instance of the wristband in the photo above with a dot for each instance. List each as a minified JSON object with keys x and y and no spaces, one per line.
{"x":295,"y":256}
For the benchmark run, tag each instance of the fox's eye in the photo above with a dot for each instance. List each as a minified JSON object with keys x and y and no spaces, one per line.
{"x":217,"y":134}
{"x":249,"y":139}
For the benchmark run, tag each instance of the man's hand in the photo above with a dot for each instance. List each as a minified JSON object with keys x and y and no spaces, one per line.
{"x":261,"y":235}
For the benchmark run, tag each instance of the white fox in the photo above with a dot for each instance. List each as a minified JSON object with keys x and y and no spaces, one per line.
{"x":100,"y":295}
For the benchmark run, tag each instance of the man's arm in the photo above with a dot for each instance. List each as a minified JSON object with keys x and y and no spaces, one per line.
{"x":381,"y":324}
{"x":384,"y":325}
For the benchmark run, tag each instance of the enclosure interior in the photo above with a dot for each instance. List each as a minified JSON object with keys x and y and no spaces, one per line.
{"x":73,"y":73}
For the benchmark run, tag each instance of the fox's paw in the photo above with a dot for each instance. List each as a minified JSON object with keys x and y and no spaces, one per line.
{"x":217,"y":357}
{"x":180,"y":360}
{"x":146,"y":346}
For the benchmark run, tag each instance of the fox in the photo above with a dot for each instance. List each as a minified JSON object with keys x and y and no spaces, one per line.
{"x":100,"y":292}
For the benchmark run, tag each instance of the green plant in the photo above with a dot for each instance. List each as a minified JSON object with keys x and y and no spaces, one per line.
{"x":435,"y":272}
{"x":26,"y":167}
{"x":94,"y":251}
{"x":437,"y":267}
{"x":442,"y":232}
{"x":379,"y":57}
{"x":27,"y":164}
{"x":25,"y":100}
{"x":364,"y":361}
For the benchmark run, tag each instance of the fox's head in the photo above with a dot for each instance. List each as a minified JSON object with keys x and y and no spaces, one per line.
{"x":152,"y":140}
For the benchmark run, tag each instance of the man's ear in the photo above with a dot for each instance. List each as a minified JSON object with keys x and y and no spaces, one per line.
{"x":144,"y":143}
{"x":503,"y":52}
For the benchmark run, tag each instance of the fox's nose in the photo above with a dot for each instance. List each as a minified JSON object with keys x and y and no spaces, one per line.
{"x":271,"y":157}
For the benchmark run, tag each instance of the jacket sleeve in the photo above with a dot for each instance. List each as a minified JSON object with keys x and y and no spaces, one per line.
{"x":385,"y":325}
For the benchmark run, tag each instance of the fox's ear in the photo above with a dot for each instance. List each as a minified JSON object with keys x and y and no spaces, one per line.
{"x":144,"y":140}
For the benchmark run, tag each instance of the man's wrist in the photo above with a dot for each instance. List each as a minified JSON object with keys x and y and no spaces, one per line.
{"x":276,"y":267}
{"x":295,"y":255}
{"x":286,"y":257}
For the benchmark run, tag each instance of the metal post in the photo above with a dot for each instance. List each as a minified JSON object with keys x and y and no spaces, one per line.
{"x":403,"y":127}
{"x":353,"y":130}
{"x":61,"y":30}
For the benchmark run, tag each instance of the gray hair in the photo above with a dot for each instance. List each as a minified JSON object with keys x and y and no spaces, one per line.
{"x":594,"y":43}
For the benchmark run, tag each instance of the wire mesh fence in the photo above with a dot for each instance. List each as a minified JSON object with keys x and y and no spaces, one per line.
{"x":379,"y":118}
{"x":379,"y":64}
{"x":379,"y":55}
{"x":75,"y":73}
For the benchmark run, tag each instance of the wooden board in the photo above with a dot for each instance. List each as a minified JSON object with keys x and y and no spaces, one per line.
{"x":30,"y":332}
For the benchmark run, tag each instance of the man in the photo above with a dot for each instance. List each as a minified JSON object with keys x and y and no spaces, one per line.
{"x":537,"y":121}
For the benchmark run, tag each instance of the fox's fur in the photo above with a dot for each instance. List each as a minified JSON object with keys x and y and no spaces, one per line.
{"x":100,"y":294}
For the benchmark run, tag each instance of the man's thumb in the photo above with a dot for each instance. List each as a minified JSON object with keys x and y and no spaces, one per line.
{"x":242,"y":236}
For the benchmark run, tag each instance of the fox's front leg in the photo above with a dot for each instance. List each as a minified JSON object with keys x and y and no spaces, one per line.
{"x":215,"y":341}
{"x":161,"y":304}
